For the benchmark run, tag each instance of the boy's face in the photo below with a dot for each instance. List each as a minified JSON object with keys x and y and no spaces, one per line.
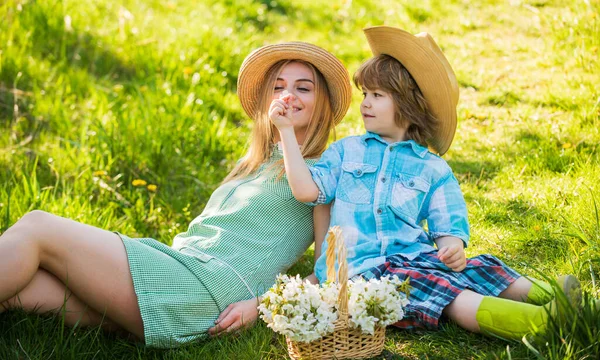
{"x":377,"y":109}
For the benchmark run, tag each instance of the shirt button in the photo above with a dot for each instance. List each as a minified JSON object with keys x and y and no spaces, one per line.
{"x":411,"y":183}
{"x":391,"y":148}
{"x":379,"y":211}
{"x":383,"y":179}
{"x":358,"y":172}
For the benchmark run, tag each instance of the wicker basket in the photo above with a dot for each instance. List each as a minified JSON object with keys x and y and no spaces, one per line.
{"x":344,"y":342}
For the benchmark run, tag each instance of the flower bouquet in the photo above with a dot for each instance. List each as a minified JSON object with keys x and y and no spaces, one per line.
{"x":343,"y":319}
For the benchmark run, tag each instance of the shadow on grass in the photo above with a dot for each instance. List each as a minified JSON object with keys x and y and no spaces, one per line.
{"x":541,"y":153}
{"x":524,"y":220}
{"x":50,"y":40}
{"x":474,"y":171}
{"x":449,"y":342}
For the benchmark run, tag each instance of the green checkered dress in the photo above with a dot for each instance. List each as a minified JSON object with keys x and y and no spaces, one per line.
{"x":251,"y":230}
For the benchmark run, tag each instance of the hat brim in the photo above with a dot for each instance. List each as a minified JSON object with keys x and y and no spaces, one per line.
{"x":255,"y":66}
{"x":428,"y":66}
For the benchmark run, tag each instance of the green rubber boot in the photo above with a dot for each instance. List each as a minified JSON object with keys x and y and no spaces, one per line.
{"x":542,"y":292}
{"x":513,"y":319}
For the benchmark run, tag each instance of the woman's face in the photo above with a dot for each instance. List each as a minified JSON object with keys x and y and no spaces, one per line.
{"x":298,"y":80}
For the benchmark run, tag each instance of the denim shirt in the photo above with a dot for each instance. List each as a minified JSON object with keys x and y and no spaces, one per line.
{"x":389,"y":199}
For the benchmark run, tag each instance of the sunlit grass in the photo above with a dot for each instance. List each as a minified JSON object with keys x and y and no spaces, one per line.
{"x":97,"y":96}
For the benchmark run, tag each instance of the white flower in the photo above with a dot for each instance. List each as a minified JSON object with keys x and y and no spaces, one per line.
{"x":306,"y":312}
{"x":376,"y":302}
{"x":298,"y":309}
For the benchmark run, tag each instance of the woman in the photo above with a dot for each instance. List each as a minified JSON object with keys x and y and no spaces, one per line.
{"x":251,"y":229}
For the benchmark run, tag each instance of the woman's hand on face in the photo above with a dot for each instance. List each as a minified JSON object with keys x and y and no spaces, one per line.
{"x":236,"y":316}
{"x":279,"y":112}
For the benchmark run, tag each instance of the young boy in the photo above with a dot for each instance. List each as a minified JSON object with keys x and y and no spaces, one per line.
{"x":395,"y":198}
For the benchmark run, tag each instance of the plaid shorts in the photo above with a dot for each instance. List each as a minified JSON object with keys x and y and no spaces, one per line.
{"x":434,"y":285}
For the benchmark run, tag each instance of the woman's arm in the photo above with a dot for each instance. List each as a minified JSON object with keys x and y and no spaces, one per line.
{"x":299,"y":177}
{"x":321,"y":216}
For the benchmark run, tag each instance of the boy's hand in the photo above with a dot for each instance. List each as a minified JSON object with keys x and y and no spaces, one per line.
{"x":279,"y":111}
{"x":453,"y":256}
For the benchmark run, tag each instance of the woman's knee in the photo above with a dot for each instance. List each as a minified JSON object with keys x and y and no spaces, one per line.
{"x":34,"y":217}
{"x":31,"y":225}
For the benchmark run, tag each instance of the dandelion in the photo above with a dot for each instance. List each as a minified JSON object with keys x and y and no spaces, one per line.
{"x":152,"y":187}
{"x":99,"y":173}
{"x":68,"y":26}
{"x":537,"y":228}
{"x":187,"y":70}
{"x":195,"y":78}
{"x":139,"y":182}
{"x":567,"y":145}
{"x":125,"y":14}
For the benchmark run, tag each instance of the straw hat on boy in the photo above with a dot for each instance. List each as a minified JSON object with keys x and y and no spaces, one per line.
{"x":424,"y":60}
{"x":256,"y":65}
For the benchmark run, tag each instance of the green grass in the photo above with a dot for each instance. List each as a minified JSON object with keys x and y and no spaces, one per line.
{"x":146,"y":90}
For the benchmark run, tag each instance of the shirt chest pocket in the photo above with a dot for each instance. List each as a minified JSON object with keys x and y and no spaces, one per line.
{"x":357,"y":183}
{"x":408,"y":195}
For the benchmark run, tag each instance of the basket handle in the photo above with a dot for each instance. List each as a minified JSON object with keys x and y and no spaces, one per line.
{"x":335,"y":241}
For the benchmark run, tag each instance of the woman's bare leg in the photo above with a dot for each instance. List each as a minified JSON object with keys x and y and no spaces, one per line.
{"x":91,"y":261}
{"x":46,"y":294}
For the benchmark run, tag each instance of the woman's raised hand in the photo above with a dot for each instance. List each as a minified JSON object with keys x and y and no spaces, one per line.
{"x":279,"y":111}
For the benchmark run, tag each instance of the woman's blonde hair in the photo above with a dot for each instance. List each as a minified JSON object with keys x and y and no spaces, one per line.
{"x":320,"y":125}
{"x":411,"y":111}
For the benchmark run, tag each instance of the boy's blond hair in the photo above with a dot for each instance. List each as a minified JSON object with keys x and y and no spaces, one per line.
{"x":411,"y":111}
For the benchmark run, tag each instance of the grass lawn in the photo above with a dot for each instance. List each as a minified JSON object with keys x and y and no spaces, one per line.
{"x":97,"y":94}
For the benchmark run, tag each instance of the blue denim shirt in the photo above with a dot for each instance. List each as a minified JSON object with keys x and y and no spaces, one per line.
{"x":389,"y":199}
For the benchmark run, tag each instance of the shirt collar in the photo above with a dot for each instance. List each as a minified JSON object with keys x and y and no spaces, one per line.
{"x":418,"y":149}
